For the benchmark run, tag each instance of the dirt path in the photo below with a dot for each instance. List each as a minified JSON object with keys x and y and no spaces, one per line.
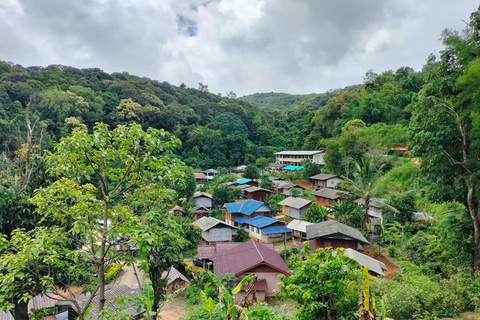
{"x":383,"y":258}
{"x":175,"y":309}
{"x":128,"y":277}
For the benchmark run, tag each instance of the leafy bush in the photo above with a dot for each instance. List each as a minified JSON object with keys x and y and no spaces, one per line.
{"x":241,"y":235}
{"x":113,"y":272}
{"x":392,"y":251}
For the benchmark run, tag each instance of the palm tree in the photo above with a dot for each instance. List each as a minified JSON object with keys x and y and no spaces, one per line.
{"x":346,"y":212}
{"x":362,"y":185}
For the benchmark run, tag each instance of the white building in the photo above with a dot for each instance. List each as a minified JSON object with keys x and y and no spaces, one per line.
{"x":296,"y":157}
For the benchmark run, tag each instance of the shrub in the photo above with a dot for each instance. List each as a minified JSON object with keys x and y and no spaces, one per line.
{"x":392,"y":251}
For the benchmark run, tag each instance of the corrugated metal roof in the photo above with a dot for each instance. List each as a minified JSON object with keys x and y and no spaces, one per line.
{"x":240,"y":220}
{"x":272,"y":230}
{"x":246,"y":208}
{"x":296,"y":203}
{"x":261,"y":221}
{"x":331,"y":228}
{"x":200,"y":176}
{"x":323,"y":176}
{"x":330,"y":193}
{"x":202,"y":194}
{"x":207,"y":252}
{"x":372,"y":264}
{"x":292,"y":168}
{"x":211,"y":171}
{"x":255,"y":189}
{"x":242,"y":181}
{"x":299,"y":225}
{"x":246,"y":256}
{"x":199,"y":207}
{"x":206,"y":223}
{"x":172,"y":275}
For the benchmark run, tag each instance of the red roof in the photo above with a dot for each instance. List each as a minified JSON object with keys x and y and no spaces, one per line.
{"x":246,"y":256}
{"x":207,"y":252}
{"x":200,"y":176}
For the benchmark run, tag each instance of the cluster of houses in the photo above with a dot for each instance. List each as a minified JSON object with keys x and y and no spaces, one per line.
{"x":265,"y":226}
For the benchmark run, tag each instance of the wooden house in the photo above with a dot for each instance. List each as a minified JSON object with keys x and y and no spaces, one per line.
{"x":256,"y":193}
{"x":374,"y":212}
{"x":200,"y":178}
{"x":251,"y":258}
{"x":334,"y":234}
{"x":283,"y":187}
{"x":203,"y":199}
{"x":175,"y":280}
{"x":299,"y":229}
{"x":211,"y":173}
{"x":200,"y":212}
{"x":246,"y":210}
{"x":214,"y":230}
{"x":295,"y":207}
{"x":325,"y":196}
{"x":244,"y":181}
{"x":324,"y":180}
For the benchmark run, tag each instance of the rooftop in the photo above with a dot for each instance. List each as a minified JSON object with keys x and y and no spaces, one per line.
{"x":273,"y":230}
{"x":247,"y":207}
{"x":299,"y":152}
{"x":198,"y":208}
{"x":206,"y":223}
{"x":172,"y":275}
{"x":200,"y":175}
{"x":372,"y":264}
{"x":207,"y":251}
{"x":292,"y":168}
{"x":323,"y":176}
{"x":261,"y":221}
{"x":334,"y":230}
{"x":246,"y":256}
{"x":202,"y":194}
{"x":211,"y":171}
{"x":330,"y":193}
{"x":242,"y":181}
{"x":255,"y":189}
{"x":296,"y":203}
{"x":299,"y":225}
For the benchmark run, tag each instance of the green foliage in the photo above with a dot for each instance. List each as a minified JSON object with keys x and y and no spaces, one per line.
{"x":392,"y":251}
{"x":325,"y":285}
{"x":262,"y":163}
{"x":273,"y":201}
{"x":228,"y":281}
{"x":241,"y":235}
{"x":404,"y":205}
{"x":251,"y":172}
{"x":222,"y":194}
{"x":316,"y":213}
{"x":347,"y":212}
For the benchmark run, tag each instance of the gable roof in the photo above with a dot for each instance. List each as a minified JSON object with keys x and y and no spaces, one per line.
{"x":172,"y":275}
{"x":296,"y":203}
{"x":292,"y":168}
{"x":272,"y":230}
{"x":246,"y":208}
{"x":200,"y":208}
{"x":246,"y":256}
{"x":283,"y":184}
{"x":330,"y":194}
{"x":261,"y":221}
{"x":332,"y":229}
{"x":323,"y":176}
{"x":299,"y":225}
{"x":372,"y":264}
{"x":374,"y":202}
{"x":208,"y":251}
{"x":255,"y":189}
{"x":206,"y":223}
{"x":242,"y":181}
{"x":202,"y":194}
{"x":200,"y":176}
{"x":211,"y":171}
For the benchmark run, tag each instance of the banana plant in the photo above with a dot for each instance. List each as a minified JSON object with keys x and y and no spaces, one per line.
{"x":226,"y":300}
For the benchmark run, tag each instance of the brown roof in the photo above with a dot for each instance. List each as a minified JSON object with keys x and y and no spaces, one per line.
{"x":246,"y":256}
{"x":323,"y":176}
{"x":255,"y":189}
{"x":334,"y":230}
{"x":200,"y":176}
{"x":173,"y":274}
{"x":207,"y":252}
{"x":330,"y":194}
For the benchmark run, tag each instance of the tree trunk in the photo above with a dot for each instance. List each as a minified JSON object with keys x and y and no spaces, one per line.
{"x":21,"y":310}
{"x":332,"y":309}
{"x":473,"y":210}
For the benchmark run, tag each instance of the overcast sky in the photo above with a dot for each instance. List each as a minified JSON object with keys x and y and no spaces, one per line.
{"x":246,"y":46}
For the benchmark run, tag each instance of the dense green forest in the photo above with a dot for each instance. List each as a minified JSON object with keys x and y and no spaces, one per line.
{"x":121,"y":149}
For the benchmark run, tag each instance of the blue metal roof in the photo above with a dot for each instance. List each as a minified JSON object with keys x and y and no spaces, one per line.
{"x":198,"y":207}
{"x":275,"y":230}
{"x":246,"y":208}
{"x":291,"y":168}
{"x":261,"y":221}
{"x":243,"y":181}
{"x":240,"y":220}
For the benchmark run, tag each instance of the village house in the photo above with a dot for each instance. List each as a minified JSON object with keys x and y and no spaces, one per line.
{"x":256,"y":193}
{"x":214,"y":230}
{"x":284,"y":188}
{"x":211,"y":173}
{"x":246,"y":210}
{"x":325,"y":196}
{"x":296,"y":157}
{"x":334,"y":234}
{"x":264,"y":229}
{"x":295,"y":207}
{"x":243,"y":182}
{"x":251,"y":258}
{"x":299,"y":229}
{"x":178,"y":211}
{"x":274,"y":167}
{"x":200,"y":178}
{"x":175,"y":280}
{"x":203,"y":199}
{"x":324,"y":180}
{"x":199,"y":212}
{"x":375,"y":211}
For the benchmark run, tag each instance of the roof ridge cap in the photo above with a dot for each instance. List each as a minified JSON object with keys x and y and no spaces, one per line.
{"x":255,"y":245}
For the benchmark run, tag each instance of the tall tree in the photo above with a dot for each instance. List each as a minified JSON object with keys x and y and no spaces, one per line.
{"x":106,"y":181}
{"x":446,"y":123}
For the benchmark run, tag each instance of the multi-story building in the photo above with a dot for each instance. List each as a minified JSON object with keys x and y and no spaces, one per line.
{"x":296,"y":157}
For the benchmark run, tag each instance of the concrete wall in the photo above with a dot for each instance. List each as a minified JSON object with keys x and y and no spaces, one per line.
{"x":318,"y":158}
{"x":271,"y":278}
{"x":217,"y":234}
{"x":331,"y":183}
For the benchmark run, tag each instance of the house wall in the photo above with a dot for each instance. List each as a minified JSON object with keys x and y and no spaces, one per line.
{"x":217,"y":234}
{"x":322,"y":201}
{"x":258,"y":195}
{"x":334,"y":243}
{"x":229,"y":217}
{"x":204,"y":201}
{"x":298,"y":213}
{"x":270,"y":277}
{"x":286,"y":210}
{"x":299,"y":234}
{"x":319,"y":184}
{"x":331,"y":183}
{"x":318,"y":158}
{"x":177,"y":284}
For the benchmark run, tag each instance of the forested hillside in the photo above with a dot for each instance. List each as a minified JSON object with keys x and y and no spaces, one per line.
{"x":270,"y":101}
